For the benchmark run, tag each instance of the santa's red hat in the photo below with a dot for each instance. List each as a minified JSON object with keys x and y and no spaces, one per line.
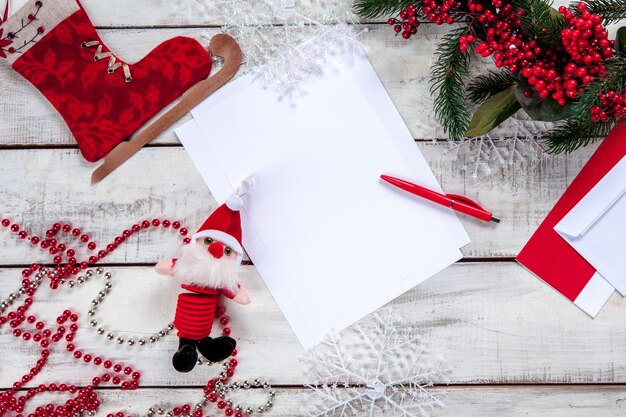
{"x":224,"y":224}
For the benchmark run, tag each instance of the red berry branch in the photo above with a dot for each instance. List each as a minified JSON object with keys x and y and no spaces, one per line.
{"x":561,"y":63}
{"x":560,"y":72}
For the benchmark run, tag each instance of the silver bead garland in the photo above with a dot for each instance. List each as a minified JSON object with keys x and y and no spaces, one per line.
{"x":110,"y":336}
{"x":222,"y":391}
{"x":20,"y":292}
{"x":220,"y":388}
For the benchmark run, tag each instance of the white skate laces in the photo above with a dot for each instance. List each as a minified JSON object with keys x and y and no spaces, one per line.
{"x":113,"y":64}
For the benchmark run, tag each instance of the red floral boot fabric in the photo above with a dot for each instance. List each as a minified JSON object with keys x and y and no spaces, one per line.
{"x":104,"y":101}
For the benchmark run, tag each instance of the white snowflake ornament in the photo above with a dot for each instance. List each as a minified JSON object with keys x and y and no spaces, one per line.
{"x":388,"y":369}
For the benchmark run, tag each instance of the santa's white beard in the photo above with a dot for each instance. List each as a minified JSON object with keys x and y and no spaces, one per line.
{"x":198,"y":267}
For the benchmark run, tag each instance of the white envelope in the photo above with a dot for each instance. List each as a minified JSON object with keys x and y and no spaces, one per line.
{"x":596,"y":227}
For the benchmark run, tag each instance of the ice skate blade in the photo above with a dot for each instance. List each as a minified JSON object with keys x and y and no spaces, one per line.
{"x":221,"y":45}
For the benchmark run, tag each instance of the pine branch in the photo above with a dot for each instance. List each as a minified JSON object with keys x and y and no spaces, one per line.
{"x":448,"y":84}
{"x":487,"y":85}
{"x":580,"y":130}
{"x":383,"y":8}
{"x":536,"y":13}
{"x":574,"y":133}
{"x":611,"y":11}
{"x":551,"y":33}
{"x":540,"y":20}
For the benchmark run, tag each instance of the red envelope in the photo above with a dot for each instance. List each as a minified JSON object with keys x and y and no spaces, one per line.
{"x":551,"y":258}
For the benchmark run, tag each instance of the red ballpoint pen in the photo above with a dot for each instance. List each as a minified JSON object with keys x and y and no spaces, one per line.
{"x":454,"y":201}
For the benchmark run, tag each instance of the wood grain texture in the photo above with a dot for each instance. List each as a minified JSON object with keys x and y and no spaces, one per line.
{"x":557,"y":401}
{"x":45,"y":186}
{"x":493,"y":322}
{"x":27,"y":119}
{"x":497,"y":325}
{"x":122,"y":13}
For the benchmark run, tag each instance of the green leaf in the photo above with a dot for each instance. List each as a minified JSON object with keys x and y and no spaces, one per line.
{"x":620,"y":41}
{"x":546,"y":110}
{"x":493,"y":111}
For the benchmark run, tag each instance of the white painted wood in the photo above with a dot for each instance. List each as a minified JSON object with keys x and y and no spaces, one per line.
{"x":26,"y":118}
{"x":165,"y":13}
{"x":493,"y":322}
{"x":44,"y":186}
{"x":550,"y":401}
{"x":559,"y":401}
{"x":142,"y":303}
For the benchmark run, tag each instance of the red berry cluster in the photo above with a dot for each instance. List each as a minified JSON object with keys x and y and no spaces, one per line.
{"x":561,"y":72}
{"x":503,"y":38}
{"x":440,"y":12}
{"x":585,"y":39}
{"x":436,"y":11}
{"x":407,"y":24}
{"x":612,"y":104}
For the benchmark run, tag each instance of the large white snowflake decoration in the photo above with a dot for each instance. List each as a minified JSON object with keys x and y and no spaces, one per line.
{"x":285,"y":41}
{"x":509,"y":147}
{"x":380,"y":364}
{"x":299,"y":66}
{"x":512,"y":145}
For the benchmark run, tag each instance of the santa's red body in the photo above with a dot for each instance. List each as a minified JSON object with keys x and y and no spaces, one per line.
{"x":195,"y":311}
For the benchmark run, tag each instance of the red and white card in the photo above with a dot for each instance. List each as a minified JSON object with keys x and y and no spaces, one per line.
{"x":551,"y":258}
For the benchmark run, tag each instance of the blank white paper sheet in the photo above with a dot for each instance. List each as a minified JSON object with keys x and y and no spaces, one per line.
{"x":332,"y":242}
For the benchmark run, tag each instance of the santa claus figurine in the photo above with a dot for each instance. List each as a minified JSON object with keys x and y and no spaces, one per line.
{"x":207,"y":268}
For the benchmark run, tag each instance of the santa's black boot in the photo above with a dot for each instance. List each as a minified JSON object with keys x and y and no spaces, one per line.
{"x":218,"y":349}
{"x":186,"y":357}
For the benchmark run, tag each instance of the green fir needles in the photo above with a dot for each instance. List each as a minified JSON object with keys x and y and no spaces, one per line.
{"x":611,"y":11}
{"x":487,"y":85}
{"x":448,"y":75}
{"x":382,"y":8}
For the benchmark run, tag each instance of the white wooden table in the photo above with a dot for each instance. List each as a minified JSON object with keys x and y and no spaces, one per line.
{"x":517,"y":347}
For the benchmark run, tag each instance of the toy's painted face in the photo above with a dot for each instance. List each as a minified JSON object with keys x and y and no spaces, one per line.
{"x":217,"y":249}
{"x":209,"y":263}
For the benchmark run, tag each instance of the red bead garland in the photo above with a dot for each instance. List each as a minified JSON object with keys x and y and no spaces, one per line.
{"x":31,"y":329}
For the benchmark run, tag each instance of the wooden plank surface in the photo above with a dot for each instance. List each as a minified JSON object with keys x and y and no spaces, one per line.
{"x":27,"y":119}
{"x":555,"y":401}
{"x":49,"y":185}
{"x":122,"y":13}
{"x":549,"y":401}
{"x":515,"y":346}
{"x":489,"y":320}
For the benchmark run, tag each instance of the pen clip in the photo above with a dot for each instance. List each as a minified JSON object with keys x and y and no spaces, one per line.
{"x":465,"y":200}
